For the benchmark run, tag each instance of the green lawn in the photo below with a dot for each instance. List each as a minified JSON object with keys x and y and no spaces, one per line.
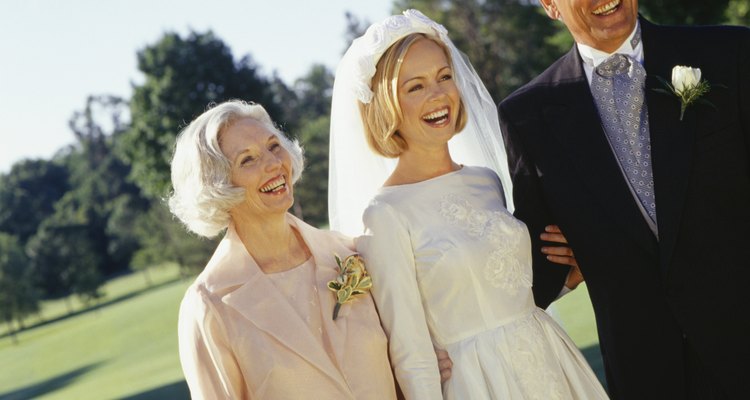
{"x":577,"y":317}
{"x":127,"y":347}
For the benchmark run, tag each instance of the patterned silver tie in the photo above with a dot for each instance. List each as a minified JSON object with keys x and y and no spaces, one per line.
{"x":618,"y":88}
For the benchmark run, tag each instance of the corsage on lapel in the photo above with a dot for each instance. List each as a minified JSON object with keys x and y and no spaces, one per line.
{"x":351,"y":281}
{"x":687,"y":86}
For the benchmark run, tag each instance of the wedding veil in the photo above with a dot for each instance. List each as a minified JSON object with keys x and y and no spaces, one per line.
{"x":355,"y":171}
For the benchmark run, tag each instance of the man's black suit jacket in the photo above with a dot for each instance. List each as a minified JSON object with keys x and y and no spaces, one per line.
{"x":651,"y":296}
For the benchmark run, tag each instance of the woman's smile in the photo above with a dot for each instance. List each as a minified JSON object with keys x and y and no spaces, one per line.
{"x":274,"y":186}
{"x":439,"y":118}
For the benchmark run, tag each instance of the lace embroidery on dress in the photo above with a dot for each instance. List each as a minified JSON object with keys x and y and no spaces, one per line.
{"x":529,"y":358}
{"x":503,"y":268}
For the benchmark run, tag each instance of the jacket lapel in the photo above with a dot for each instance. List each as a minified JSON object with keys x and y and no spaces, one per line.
{"x":576,"y":125}
{"x":258,"y":300}
{"x":671,"y":140}
{"x":324,"y":247}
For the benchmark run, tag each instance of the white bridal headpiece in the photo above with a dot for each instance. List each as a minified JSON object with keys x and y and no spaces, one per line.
{"x":367,"y":49}
{"x":355,"y":172}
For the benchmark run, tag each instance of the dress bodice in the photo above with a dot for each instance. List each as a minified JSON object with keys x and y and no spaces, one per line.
{"x":472,"y":258}
{"x":451,"y":268}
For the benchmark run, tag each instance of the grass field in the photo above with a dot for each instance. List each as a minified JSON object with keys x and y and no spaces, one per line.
{"x":576,"y":315}
{"x":126,"y":348}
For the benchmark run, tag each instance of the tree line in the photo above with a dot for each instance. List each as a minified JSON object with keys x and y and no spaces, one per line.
{"x":96,"y":209}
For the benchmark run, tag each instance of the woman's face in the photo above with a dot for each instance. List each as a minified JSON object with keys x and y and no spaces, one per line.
{"x":260,"y":165}
{"x":428,"y":96}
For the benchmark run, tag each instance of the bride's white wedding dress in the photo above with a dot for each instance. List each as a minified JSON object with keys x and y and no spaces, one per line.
{"x":452,"y":269}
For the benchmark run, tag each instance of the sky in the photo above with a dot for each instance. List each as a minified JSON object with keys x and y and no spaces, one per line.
{"x":53,"y":54}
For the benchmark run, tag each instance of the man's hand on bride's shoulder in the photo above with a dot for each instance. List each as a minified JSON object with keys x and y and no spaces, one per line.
{"x":561,"y":254}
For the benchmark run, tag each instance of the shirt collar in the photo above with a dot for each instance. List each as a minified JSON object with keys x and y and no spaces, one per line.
{"x":632,"y":46}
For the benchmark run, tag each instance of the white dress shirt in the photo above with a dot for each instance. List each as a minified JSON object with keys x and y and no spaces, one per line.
{"x":592,"y":57}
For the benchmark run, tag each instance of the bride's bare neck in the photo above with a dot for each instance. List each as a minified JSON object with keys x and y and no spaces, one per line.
{"x":417,"y":166}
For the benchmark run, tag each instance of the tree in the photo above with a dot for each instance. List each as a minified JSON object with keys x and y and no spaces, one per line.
{"x":738,"y":12}
{"x":64,"y":260}
{"x":28,"y":194}
{"x":121,"y":230}
{"x":307,"y":106}
{"x":18,"y":295}
{"x":311,"y":192}
{"x":307,"y":100}
{"x":355,"y":27}
{"x":182,"y":76}
{"x":79,"y":243}
{"x":164,"y":239}
{"x":101,"y":195}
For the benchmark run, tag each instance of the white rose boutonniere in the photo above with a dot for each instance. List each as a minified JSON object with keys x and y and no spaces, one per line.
{"x":351,"y":281}
{"x":685,"y":78}
{"x":687,"y":86}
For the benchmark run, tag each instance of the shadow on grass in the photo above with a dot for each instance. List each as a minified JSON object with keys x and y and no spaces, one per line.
{"x":594,"y":357}
{"x":174,"y":391}
{"x":48,"y":386}
{"x":179,"y":390}
{"x":95,"y":307}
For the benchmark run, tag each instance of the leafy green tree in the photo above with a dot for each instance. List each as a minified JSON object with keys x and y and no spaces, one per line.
{"x":79,"y":243}
{"x":120,"y":229}
{"x":28,"y":194}
{"x":311,"y":191}
{"x":18,"y":294}
{"x":308,"y":99}
{"x":64,"y":260}
{"x":287,"y":100}
{"x":182,"y":76}
{"x":355,"y":27}
{"x":738,"y":12}
{"x":307,"y":107}
{"x":100,"y":188}
{"x":162,"y":238}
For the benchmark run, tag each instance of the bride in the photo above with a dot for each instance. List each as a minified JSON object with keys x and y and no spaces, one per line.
{"x":451,"y":266}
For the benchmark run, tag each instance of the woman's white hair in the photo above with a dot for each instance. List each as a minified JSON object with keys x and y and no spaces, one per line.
{"x":201,"y":175}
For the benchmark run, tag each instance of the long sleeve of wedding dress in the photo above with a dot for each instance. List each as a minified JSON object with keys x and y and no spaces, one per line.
{"x":386,"y":247}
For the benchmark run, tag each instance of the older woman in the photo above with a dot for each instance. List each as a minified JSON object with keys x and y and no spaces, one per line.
{"x":257,"y":322}
{"x":453,"y":266}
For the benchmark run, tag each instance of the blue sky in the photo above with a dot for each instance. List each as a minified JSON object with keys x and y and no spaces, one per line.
{"x":55,"y":53}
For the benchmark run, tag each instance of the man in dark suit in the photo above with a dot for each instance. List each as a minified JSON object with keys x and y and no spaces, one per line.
{"x":655,"y":206}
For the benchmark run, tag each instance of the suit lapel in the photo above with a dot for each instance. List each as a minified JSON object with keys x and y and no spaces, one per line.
{"x":261,"y":303}
{"x":576,"y":125}
{"x":671,"y":140}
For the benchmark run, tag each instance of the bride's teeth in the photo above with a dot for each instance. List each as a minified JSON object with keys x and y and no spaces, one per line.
{"x":607,"y":8}
{"x":273,"y":185}
{"x":435,"y":115}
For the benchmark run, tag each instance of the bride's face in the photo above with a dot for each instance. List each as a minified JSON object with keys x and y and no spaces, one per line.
{"x":428,"y":96}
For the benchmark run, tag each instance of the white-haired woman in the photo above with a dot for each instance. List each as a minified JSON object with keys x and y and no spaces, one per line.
{"x":257,"y":322}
